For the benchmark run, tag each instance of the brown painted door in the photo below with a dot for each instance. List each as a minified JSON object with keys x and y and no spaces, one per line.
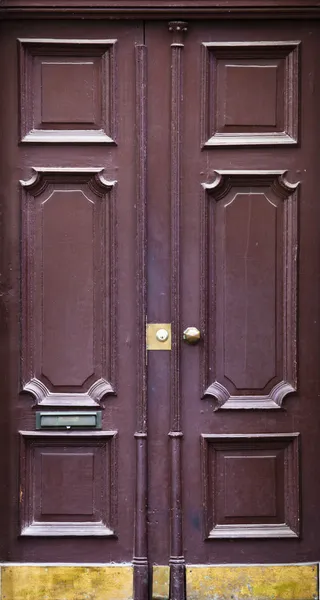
{"x":166,"y":172}
{"x":69,"y":309}
{"x":249,"y":264}
{"x":233,"y":221}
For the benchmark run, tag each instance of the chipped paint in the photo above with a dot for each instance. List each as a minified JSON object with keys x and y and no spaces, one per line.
{"x":160,"y":582}
{"x":67,"y":583}
{"x":267,"y":582}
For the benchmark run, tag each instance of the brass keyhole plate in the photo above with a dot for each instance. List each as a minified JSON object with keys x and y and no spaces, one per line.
{"x":158,"y":336}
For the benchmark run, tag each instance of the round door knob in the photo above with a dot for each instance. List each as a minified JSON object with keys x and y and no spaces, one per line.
{"x":191,"y":335}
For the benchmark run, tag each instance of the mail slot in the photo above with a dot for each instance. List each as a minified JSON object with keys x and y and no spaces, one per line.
{"x":70,"y":420}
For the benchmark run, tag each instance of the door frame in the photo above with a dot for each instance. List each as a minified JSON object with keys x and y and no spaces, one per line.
{"x":164,"y":9}
{"x":180,"y":10}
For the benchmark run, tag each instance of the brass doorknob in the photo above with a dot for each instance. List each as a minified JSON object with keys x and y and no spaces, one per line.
{"x":191,"y":335}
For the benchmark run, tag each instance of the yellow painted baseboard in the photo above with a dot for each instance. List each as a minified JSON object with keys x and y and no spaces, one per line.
{"x":160,"y":582}
{"x":66,"y":583}
{"x":267,"y":582}
{"x":115,"y":582}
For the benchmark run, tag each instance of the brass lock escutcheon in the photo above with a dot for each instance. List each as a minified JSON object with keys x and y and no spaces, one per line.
{"x":158,"y":336}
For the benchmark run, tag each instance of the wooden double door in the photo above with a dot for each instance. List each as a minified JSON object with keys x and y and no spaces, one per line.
{"x":161,"y":173}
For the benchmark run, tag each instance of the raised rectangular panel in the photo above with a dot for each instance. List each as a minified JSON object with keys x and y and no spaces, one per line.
{"x":250,"y":485}
{"x":67,"y":91}
{"x":249,"y":289}
{"x":250,"y":93}
{"x":72,"y":84}
{"x":68,"y":484}
{"x":73,"y":472}
{"x":68,"y":287}
{"x":254,"y":110}
{"x":241,"y":499}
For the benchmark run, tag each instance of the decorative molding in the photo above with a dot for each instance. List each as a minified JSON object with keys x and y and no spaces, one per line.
{"x":273,"y":400}
{"x":243,"y":9}
{"x":276,"y":517}
{"x":176,"y":131}
{"x":215,"y":130}
{"x":98,"y":497}
{"x":178,"y":30}
{"x":140,"y":558}
{"x":43,"y":176}
{"x":274,"y":188}
{"x":176,"y":561}
{"x":84,"y":529}
{"x":92,"y":397}
{"x":95,"y":56}
{"x":141,"y":257}
{"x":252,"y":531}
{"x":43,"y":369}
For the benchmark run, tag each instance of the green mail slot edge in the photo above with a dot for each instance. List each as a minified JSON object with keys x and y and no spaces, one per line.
{"x":70,"y":420}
